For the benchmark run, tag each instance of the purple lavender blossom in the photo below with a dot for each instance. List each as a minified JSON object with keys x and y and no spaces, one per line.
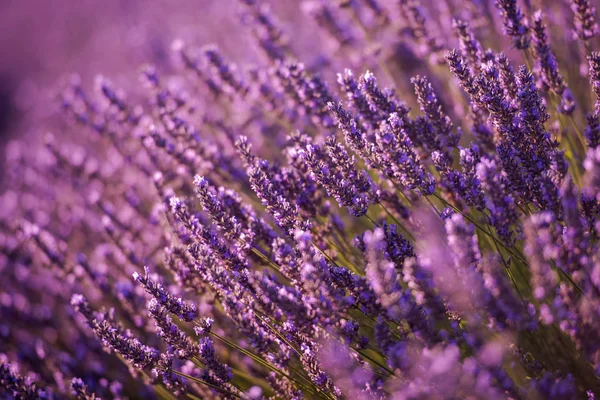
{"x":515,"y":23}
{"x":469,"y":45}
{"x":306,"y":239}
{"x":548,"y":65}
{"x":173,"y":304}
{"x":440,"y":135}
{"x":585,"y":19}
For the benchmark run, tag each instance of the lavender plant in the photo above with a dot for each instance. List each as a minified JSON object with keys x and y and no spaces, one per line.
{"x":343,"y":224}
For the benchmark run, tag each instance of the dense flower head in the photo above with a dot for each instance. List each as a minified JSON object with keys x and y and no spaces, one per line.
{"x":336,"y":200}
{"x":515,"y":23}
{"x":585,"y":19}
{"x":177,"y":306}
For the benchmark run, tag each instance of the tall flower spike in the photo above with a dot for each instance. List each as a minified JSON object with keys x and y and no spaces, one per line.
{"x":15,"y":385}
{"x":465,"y":185}
{"x":310,"y":92}
{"x":592,"y":130}
{"x":548,"y":66}
{"x":515,"y":23}
{"x":81,"y":391}
{"x":406,"y":164}
{"x":498,"y":201}
{"x":266,"y":29}
{"x":368,"y":115}
{"x":170,"y":332}
{"x":205,"y":235}
{"x":337,"y":173}
{"x":415,"y":20}
{"x":325,"y":16}
{"x":507,"y":75}
{"x":385,"y":100}
{"x":212,"y":205}
{"x":441,"y":137}
{"x":469,"y":45}
{"x":207,"y":351}
{"x":226,"y":72}
{"x":531,"y":108}
{"x":269,"y":185}
{"x":175,"y":305}
{"x":463,"y":73}
{"x":117,"y":340}
{"x":585,"y":19}
{"x":382,"y":277}
{"x":594,"y":61}
{"x":354,"y":136}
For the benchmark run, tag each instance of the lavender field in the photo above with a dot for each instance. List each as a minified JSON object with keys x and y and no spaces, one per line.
{"x":311,"y":199}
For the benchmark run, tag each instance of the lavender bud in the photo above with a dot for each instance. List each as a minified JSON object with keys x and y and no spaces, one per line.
{"x":515,"y":23}
{"x":585,"y":19}
{"x":175,"y":305}
{"x":548,"y":65}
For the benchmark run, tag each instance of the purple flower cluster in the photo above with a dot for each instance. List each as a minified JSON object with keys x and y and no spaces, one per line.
{"x":425,"y":226}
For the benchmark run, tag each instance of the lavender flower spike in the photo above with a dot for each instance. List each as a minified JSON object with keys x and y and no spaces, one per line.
{"x":515,"y":23}
{"x":175,"y":305}
{"x":440,"y":136}
{"x":585,"y":19}
{"x":115,"y":339}
{"x":594,"y":61}
{"x":548,"y":65}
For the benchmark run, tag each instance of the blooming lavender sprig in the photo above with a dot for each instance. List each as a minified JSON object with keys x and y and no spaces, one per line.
{"x":463,"y":72}
{"x":270,"y":35}
{"x":226,"y":71}
{"x":417,"y":26}
{"x":385,"y":101}
{"x":404,"y":162}
{"x":207,"y":236}
{"x":439,"y":132}
{"x":309,"y":91}
{"x":15,"y":385}
{"x":502,"y":207}
{"x":463,"y":185}
{"x":330,"y":22}
{"x":368,"y":115}
{"x":594,"y":63}
{"x":350,"y":187}
{"x":507,"y":75}
{"x":207,"y":351}
{"x":170,"y":333}
{"x":469,"y":45}
{"x":515,"y":23}
{"x":592,"y":130}
{"x":548,"y":65}
{"x":81,"y":391}
{"x":382,"y":277}
{"x":355,"y":137}
{"x":213,"y":206}
{"x":186,"y":312}
{"x":115,"y":339}
{"x":267,"y":183}
{"x":585,"y":19}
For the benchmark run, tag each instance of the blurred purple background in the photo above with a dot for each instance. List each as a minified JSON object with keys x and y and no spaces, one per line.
{"x":44,"y":41}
